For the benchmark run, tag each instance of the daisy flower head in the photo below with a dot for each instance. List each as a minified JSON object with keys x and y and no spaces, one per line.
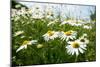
{"x":37,"y":12}
{"x":37,"y":15}
{"x":30,"y":11}
{"x":50,"y":35}
{"x":25,"y":44}
{"x":36,"y":7}
{"x":87,"y":27}
{"x":14,"y":12}
{"x":69,"y":35}
{"x":18,"y":33}
{"x":75,"y":47}
{"x":49,"y":13}
{"x":84,"y":40}
{"x":76,"y":24}
{"x":22,"y":11}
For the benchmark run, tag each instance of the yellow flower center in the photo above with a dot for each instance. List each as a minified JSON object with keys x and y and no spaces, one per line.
{"x":68,"y":33}
{"x":75,"y":45}
{"x":51,"y":14}
{"x":50,"y":33}
{"x":82,"y":40}
{"x":25,"y":42}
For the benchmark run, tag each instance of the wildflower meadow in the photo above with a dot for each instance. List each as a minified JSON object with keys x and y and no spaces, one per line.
{"x":47,"y":33}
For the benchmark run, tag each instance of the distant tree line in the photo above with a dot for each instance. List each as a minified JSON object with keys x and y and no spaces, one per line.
{"x":14,"y":3}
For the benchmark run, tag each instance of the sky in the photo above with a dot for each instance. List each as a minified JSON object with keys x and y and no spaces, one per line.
{"x":76,"y":11}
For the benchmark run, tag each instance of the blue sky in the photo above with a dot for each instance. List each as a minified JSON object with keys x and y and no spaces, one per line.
{"x":77,"y":11}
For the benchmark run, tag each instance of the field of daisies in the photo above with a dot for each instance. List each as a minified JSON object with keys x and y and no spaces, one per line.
{"x":41,"y":36}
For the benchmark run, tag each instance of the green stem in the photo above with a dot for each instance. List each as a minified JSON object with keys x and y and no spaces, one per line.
{"x":76,"y":58}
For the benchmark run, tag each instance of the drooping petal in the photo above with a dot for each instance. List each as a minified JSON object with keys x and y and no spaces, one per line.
{"x":69,"y":42}
{"x":83,"y":47}
{"x":20,"y":48}
{"x":33,"y":42}
{"x":25,"y":46}
{"x":81,"y":50}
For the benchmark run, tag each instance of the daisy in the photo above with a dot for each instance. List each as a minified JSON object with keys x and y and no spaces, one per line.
{"x":25,"y":44}
{"x":75,"y":47}
{"x":76,"y":24}
{"x":22,"y":11}
{"x":87,"y":27}
{"x":66,"y":22}
{"x":50,"y":35}
{"x":37,"y":12}
{"x":14,"y":11}
{"x":83,"y":40}
{"x":38,"y":15}
{"x":18,"y":33}
{"x":16,"y":18}
{"x":29,"y":11}
{"x":68,"y":35}
{"x":49,"y":14}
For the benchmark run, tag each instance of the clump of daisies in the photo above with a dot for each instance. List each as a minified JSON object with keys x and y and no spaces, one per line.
{"x":72,"y":23}
{"x":78,"y":23}
{"x":37,"y":12}
{"x":51,"y":35}
{"x":74,"y":46}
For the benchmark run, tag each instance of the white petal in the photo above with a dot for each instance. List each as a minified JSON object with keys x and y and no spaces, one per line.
{"x":71,"y":37}
{"x":69,"y":42}
{"x":83,"y":47}
{"x":67,"y":39}
{"x":74,"y":37}
{"x":72,"y":51}
{"x":33,"y":42}
{"x":25,"y":46}
{"x":76,"y":51}
{"x":20,"y":48}
{"x":81,"y":50}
